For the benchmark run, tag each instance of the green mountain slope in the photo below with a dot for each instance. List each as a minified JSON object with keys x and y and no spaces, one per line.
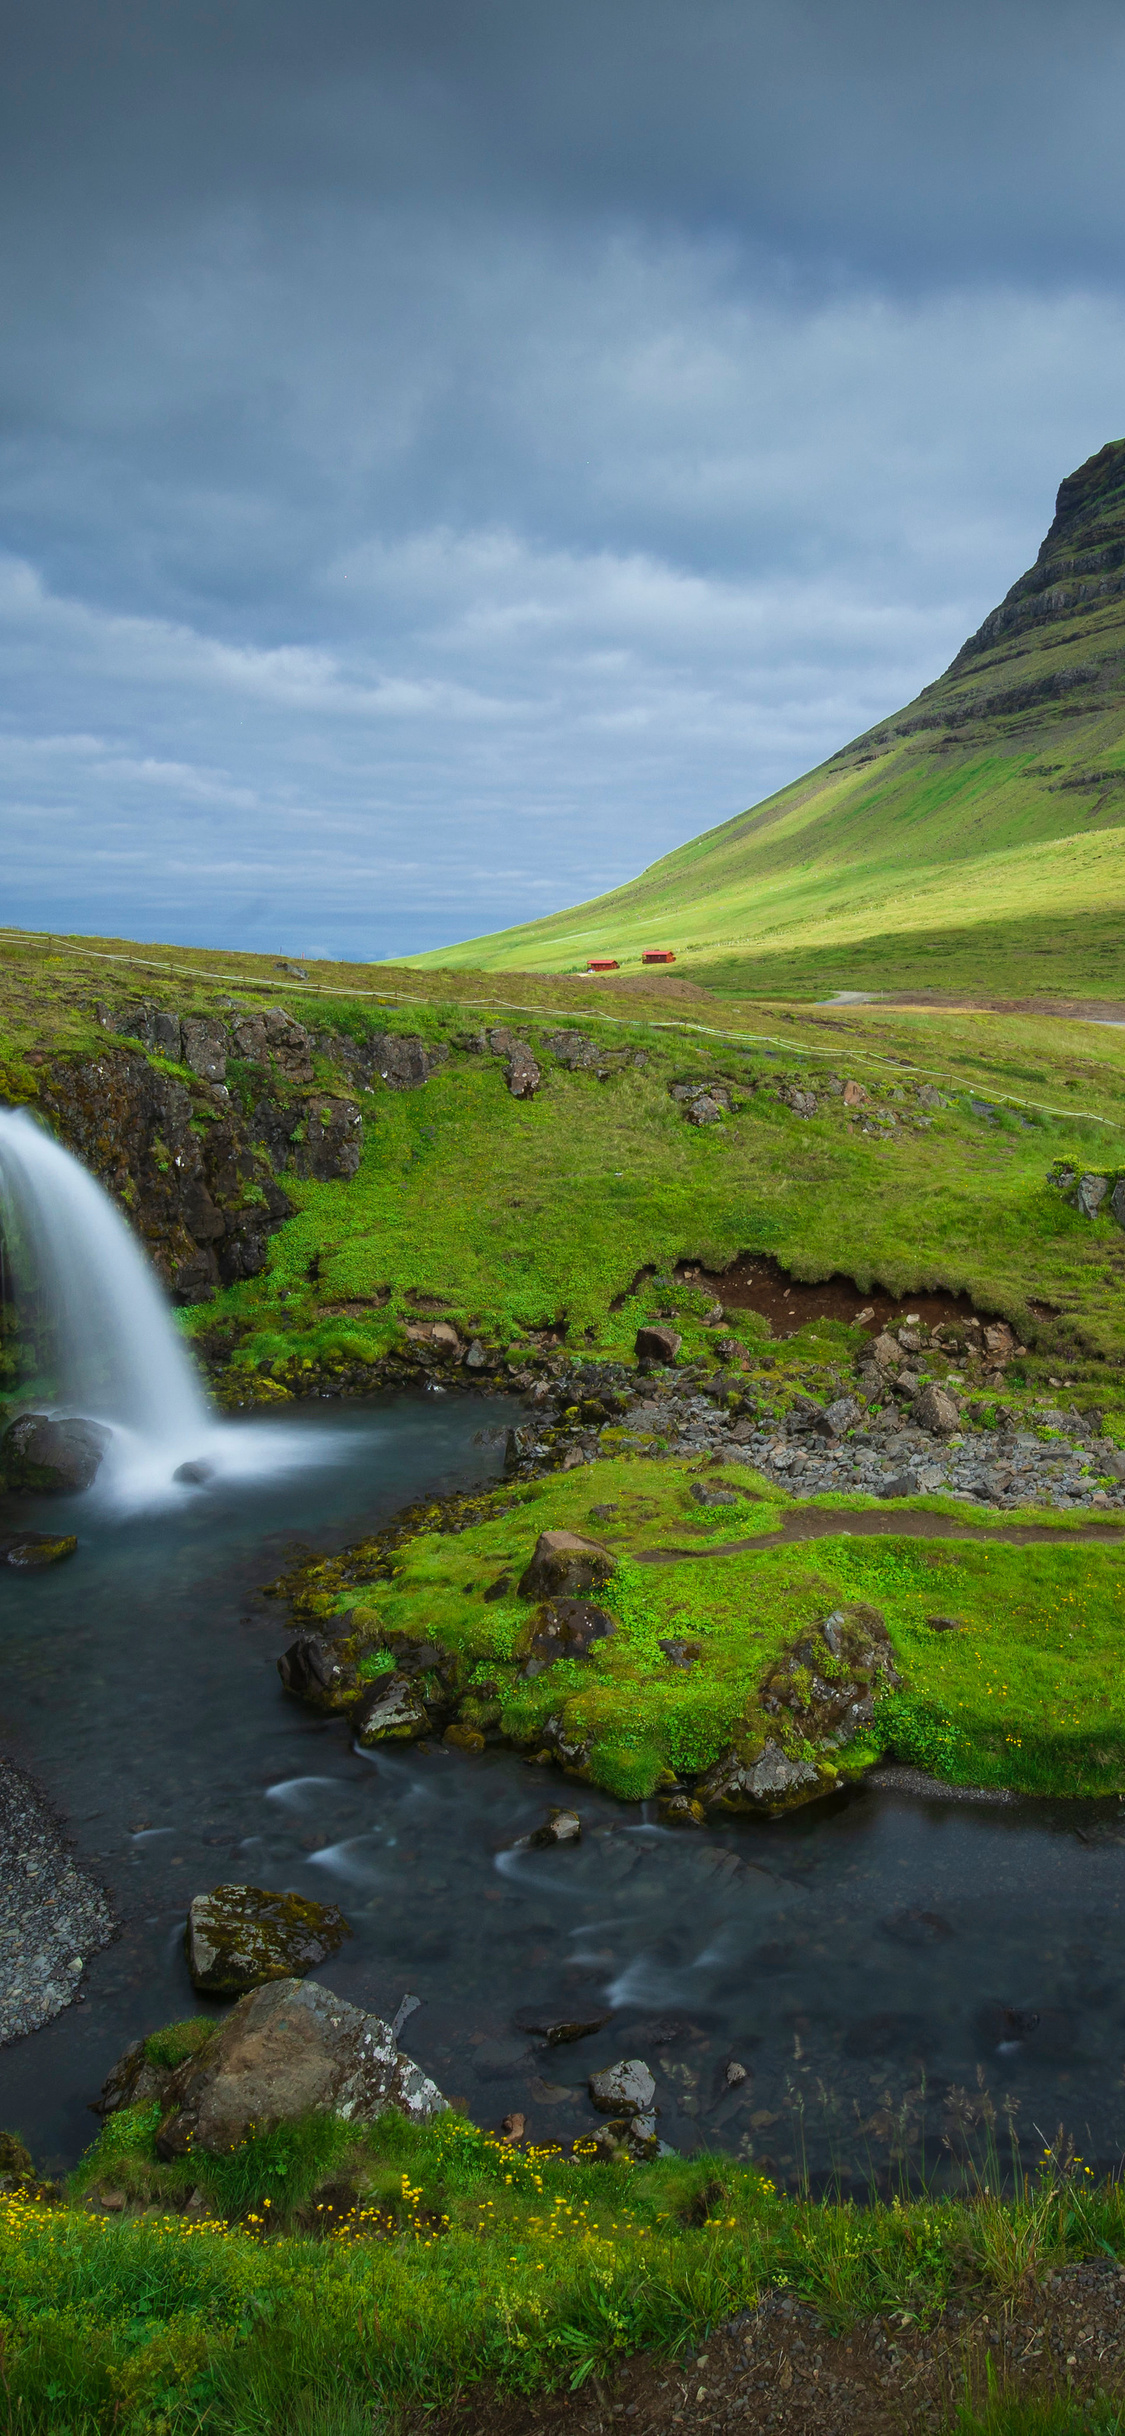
{"x":975,"y":840}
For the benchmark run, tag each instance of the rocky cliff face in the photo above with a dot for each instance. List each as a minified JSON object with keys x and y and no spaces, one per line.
{"x":1081,"y":564}
{"x":196,"y":1158}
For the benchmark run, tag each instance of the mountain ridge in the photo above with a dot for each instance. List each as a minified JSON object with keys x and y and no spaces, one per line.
{"x":983,"y":820}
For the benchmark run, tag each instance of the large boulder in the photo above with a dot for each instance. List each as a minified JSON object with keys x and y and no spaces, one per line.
{"x":657,"y":1344}
{"x":290,"y":2049}
{"x":271,"y":1033}
{"x":333,"y":1140}
{"x":400,"y":1059}
{"x":238,"y":1937}
{"x":58,"y":1455}
{"x":316,"y":1671}
{"x":1090,"y":1194}
{"x":565,"y":1565}
{"x":935,"y":1410}
{"x":205,"y":1043}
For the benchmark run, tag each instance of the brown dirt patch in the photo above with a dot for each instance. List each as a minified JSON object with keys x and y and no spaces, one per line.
{"x":779,"y":2368}
{"x":756,"y":1282}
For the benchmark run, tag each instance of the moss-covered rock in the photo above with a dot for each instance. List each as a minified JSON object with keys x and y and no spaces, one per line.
{"x":238,"y":1937}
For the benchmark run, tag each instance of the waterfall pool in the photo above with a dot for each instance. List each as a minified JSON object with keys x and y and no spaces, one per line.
{"x":901,"y":1981}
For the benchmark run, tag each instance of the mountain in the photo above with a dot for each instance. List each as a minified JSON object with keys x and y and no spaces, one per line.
{"x":975,"y":841}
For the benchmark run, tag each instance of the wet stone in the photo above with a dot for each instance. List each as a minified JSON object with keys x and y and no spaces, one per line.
{"x":54,"y":1455}
{"x":559,"y":1827}
{"x":627,"y":2088}
{"x":559,"y":2024}
{"x":31,"y":1551}
{"x":238,"y":1937}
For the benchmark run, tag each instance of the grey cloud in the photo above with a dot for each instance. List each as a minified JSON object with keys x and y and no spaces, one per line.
{"x":518,"y":436}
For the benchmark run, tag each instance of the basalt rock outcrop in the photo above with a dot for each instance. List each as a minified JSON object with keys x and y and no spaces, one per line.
{"x":195,"y":1158}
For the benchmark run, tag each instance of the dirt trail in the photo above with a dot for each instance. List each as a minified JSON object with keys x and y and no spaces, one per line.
{"x":819,"y":1522}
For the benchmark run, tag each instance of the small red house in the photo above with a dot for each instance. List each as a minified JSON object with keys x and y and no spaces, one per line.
{"x":603,"y":964}
{"x":658,"y":955}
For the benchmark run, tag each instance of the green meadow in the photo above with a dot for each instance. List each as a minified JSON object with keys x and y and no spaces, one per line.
{"x":460,"y":2268}
{"x":1027,"y":1691}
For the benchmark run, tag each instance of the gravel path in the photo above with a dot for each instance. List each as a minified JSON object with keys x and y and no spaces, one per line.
{"x":52,"y":1916}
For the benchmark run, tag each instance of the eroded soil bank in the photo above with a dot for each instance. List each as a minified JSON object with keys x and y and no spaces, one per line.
{"x":780,"y":2367}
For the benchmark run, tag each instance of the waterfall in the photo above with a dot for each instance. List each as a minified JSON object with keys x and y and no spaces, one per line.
{"x":107,"y":1337}
{"x":105,"y":1332}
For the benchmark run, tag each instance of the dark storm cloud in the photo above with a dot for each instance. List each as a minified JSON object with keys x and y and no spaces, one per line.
{"x":449,"y":454}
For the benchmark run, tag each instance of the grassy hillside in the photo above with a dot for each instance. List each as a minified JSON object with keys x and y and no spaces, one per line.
{"x":514,"y":1215}
{"x":974,"y":841}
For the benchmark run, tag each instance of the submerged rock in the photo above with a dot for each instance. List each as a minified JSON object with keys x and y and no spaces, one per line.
{"x":566,"y":1564}
{"x":561,"y":2025}
{"x":291,"y":2049}
{"x":30,"y":1551}
{"x":238,"y":1937}
{"x":52,"y":1455}
{"x":559,"y":1827}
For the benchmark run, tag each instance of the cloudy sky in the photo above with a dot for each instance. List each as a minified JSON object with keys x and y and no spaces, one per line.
{"x":451,"y":451}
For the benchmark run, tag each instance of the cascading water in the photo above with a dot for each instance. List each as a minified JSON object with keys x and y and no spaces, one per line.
{"x":105,"y":1333}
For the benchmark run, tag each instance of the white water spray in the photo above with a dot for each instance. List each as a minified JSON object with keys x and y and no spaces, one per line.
{"x":106,"y":1330}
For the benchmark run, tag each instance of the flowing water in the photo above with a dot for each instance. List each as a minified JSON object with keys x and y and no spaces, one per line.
{"x":93,"y":1308}
{"x":888,"y":1972}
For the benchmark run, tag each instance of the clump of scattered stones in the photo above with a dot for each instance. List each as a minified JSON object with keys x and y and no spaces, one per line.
{"x":923,"y":1411}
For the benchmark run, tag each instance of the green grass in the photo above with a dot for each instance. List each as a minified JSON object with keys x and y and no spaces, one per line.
{"x":1029,"y":1695}
{"x":518,"y":1214}
{"x":464,"y":2263}
{"x":521,"y":1215}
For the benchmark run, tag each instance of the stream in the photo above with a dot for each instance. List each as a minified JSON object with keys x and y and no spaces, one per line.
{"x":903,"y":1982}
